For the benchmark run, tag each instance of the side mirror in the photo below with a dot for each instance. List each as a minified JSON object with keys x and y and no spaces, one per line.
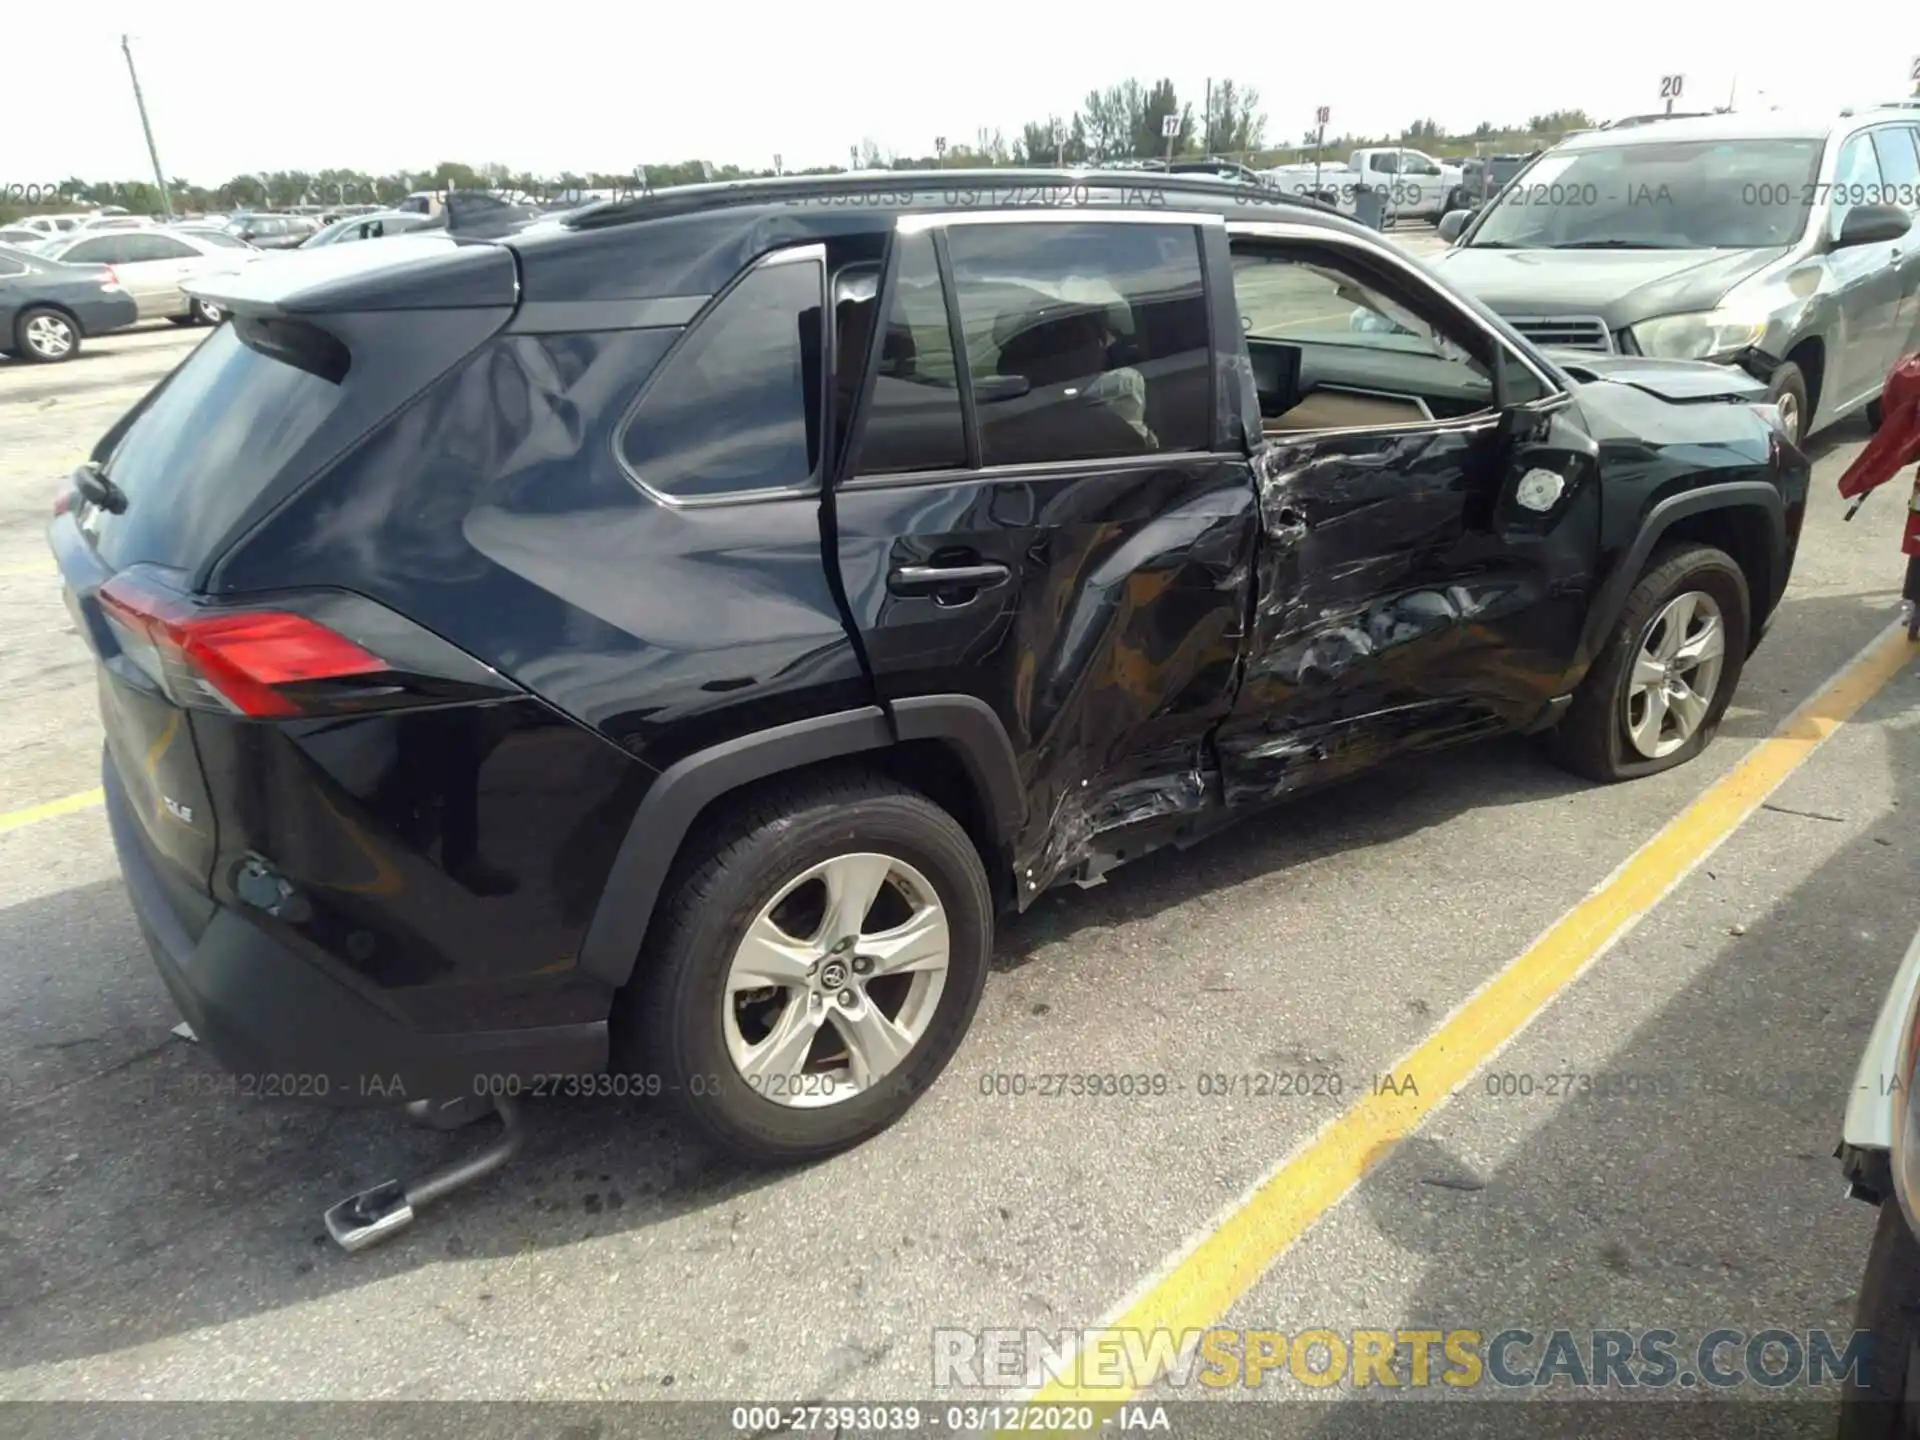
{"x":1451,"y":224}
{"x":1872,"y":225}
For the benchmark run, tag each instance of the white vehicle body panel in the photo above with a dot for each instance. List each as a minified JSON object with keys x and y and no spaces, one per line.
{"x":1869,"y":1119}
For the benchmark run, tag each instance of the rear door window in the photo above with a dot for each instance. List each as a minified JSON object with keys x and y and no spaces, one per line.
{"x":213,"y":438}
{"x":100,"y":250}
{"x":1085,"y":340}
{"x":160,"y":247}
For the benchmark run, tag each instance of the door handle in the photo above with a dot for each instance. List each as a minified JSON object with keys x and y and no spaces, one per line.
{"x":959,"y":581}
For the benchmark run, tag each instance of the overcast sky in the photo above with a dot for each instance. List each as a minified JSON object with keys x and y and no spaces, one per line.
{"x":238,"y":86}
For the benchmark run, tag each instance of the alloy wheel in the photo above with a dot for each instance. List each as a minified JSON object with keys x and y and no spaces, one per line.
{"x":49,"y":336}
{"x":836,"y":980}
{"x":1676,"y":673}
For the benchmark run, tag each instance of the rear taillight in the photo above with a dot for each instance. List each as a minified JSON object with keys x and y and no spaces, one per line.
{"x":240,"y":661}
{"x":110,"y":281}
{"x":62,"y":500}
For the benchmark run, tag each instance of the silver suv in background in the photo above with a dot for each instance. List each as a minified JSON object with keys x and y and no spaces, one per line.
{"x":1782,"y":246}
{"x":153,"y":264}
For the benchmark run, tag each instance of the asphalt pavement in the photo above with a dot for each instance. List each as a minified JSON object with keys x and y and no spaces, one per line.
{"x":160,"y":1234}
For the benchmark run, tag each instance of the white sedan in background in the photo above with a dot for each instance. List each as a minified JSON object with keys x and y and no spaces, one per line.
{"x":152,"y":263}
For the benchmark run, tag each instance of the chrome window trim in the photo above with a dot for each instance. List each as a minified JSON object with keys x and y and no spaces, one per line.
{"x":1032,"y":470}
{"x":811,"y":486}
{"x":1058,"y":215}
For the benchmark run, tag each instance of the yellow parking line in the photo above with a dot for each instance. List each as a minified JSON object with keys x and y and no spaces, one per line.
{"x":34,"y":814}
{"x":1199,"y":1286}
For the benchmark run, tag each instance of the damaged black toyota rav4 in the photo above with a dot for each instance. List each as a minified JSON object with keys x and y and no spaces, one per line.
{"x":658,"y":642}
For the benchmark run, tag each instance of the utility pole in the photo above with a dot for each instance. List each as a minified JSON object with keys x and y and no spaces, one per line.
{"x":159,"y":175}
{"x":1206,"y":126}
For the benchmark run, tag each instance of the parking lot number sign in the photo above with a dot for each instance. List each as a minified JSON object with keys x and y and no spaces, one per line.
{"x":1671,"y":86}
{"x":1323,"y":115}
{"x":1170,"y":126}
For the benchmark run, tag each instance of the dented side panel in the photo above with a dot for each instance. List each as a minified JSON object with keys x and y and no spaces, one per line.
{"x":1109,"y":653}
{"x":1405,"y":596}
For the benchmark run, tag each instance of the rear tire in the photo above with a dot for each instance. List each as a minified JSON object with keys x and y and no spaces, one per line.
{"x":1596,"y":739}
{"x":45,"y":336}
{"x":201,"y":313}
{"x":686,"y":1015}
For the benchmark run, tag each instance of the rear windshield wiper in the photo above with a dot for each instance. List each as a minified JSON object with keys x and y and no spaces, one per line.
{"x":97,"y":489}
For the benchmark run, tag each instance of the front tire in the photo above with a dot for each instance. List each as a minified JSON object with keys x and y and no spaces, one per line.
{"x":201,"y":313}
{"x":1788,"y":391}
{"x":45,"y":336}
{"x":1655,"y":694}
{"x":1889,"y":1301}
{"x":785,"y":1025}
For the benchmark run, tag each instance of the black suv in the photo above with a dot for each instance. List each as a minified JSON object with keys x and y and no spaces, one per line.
{"x":1483,"y":177}
{"x":657,"y":643}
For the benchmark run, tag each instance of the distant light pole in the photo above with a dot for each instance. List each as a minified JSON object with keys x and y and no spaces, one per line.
{"x":153,"y":153}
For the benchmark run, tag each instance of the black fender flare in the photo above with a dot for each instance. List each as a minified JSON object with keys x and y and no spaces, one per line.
{"x":680,"y":792}
{"x":1611,"y":598}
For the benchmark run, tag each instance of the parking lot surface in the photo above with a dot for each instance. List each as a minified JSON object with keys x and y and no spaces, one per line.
{"x":160,"y":1234}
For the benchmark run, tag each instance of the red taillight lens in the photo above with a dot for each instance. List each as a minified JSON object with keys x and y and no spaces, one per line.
{"x":62,"y":500}
{"x":233,"y":660}
{"x":111,"y":278}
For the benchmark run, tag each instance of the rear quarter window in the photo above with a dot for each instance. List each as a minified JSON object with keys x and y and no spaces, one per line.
{"x":212,"y":439}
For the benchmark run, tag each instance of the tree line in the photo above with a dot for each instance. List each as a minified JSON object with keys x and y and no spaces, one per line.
{"x":1123,"y":121}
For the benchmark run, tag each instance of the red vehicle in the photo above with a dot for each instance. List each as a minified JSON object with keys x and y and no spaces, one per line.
{"x":1894,"y":446}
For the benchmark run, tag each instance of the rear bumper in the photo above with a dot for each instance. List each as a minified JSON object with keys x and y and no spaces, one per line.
{"x":108,"y":313}
{"x":274,"y":1017}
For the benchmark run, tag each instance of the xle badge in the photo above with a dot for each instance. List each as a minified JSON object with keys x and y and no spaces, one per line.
{"x":1540,"y":489}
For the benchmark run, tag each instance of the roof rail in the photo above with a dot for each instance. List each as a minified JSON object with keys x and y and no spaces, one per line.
{"x":690,"y":199}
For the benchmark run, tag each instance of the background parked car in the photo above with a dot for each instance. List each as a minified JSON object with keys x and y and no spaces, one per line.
{"x":47,"y":308}
{"x":50,"y":227}
{"x":19,"y":236}
{"x":366,"y":227}
{"x":271,"y":232}
{"x":152,"y":263}
{"x":1775,"y":244}
{"x":1483,"y":177}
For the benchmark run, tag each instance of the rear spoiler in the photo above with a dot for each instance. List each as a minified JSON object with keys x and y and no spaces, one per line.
{"x":425,"y":269}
